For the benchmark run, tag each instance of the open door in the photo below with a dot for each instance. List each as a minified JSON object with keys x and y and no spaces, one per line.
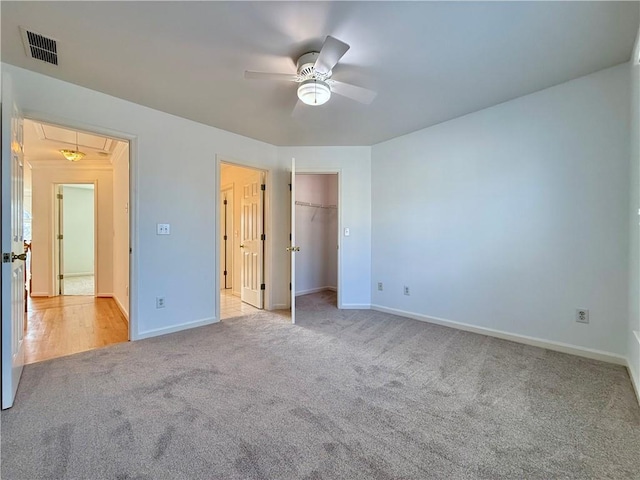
{"x":292,"y":249}
{"x":13,"y":254}
{"x":60,"y":240}
{"x":252,"y":240}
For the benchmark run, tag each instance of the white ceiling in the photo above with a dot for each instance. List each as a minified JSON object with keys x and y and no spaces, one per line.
{"x":43,"y":142}
{"x":428,"y":61}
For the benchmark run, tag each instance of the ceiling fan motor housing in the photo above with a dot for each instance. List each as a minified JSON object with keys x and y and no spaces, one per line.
{"x":305,"y":67}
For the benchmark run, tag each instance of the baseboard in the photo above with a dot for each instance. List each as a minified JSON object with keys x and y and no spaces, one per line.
{"x":87,"y":274}
{"x":40,"y":294}
{"x":122,"y":309}
{"x":635,"y":380}
{"x":104,"y":295}
{"x":633,"y":373}
{"x":177,"y":328}
{"x":533,"y":341}
{"x":314,"y":290}
{"x":355,"y":306}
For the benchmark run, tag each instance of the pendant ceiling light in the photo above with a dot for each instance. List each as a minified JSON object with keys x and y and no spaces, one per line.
{"x":73,"y":155}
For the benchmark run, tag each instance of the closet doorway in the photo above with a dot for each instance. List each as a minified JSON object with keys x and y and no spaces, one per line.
{"x":242,"y":240}
{"x":316,"y":233}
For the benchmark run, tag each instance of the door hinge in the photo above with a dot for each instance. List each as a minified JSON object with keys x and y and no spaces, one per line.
{"x":263,"y":187}
{"x":6,"y":258}
{"x":225,"y":237}
{"x":263,"y":237}
{"x":225,"y":201}
{"x":60,"y":237}
{"x":59,"y":196}
{"x":262,"y":286}
{"x":225,"y":273}
{"x":289,"y":237}
{"x":130,"y":250}
{"x":61,"y":277}
{"x":289,"y":285}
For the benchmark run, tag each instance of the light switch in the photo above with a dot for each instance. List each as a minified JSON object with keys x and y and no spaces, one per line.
{"x":163,"y":229}
{"x":346,"y":232}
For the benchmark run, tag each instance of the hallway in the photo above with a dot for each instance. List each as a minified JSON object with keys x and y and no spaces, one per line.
{"x":59,"y":326}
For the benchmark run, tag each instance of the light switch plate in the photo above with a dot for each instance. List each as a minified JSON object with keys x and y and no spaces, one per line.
{"x":163,"y":229}
{"x":347,"y":232}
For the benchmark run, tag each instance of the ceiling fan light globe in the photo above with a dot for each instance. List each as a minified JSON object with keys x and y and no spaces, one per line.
{"x":314,"y":92}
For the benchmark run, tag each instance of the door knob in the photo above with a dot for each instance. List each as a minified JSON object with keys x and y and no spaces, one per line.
{"x":22,"y":256}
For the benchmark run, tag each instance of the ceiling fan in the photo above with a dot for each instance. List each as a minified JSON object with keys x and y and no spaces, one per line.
{"x":314,"y":70}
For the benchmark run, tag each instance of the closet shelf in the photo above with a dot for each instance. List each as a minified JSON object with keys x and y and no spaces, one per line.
{"x":316,"y":205}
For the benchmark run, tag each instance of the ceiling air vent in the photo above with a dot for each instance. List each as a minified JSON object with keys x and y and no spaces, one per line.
{"x":39,"y":47}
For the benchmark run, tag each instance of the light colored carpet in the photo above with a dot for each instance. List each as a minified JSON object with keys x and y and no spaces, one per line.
{"x":81,"y":285}
{"x":342,"y":395}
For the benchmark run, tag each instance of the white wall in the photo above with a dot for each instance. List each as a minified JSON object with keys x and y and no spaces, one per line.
{"x":27,"y":199}
{"x":316,"y":233}
{"x":633,"y":330}
{"x":354,"y":166}
{"x":120,"y":162}
{"x":44,"y":179}
{"x":175,"y":181}
{"x":78,"y":229}
{"x":512,"y":217}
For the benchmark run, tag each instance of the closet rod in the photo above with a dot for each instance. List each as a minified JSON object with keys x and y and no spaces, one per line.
{"x":315,"y":205}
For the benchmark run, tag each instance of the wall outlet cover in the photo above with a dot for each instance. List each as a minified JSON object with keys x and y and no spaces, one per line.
{"x":582,"y":315}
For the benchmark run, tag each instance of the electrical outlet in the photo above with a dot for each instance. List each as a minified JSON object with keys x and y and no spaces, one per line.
{"x":582,"y":315}
{"x":160,"y":302}
{"x":406,"y":290}
{"x":163,"y":229}
{"x":379,"y":286}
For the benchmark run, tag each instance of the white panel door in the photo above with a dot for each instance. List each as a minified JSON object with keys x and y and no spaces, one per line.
{"x":13,"y":257}
{"x":226,"y":240}
{"x":251,"y":243}
{"x":60,"y":239}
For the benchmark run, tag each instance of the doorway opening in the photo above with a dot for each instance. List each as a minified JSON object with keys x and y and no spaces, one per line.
{"x":316,"y":234}
{"x":78,"y":267}
{"x":74,"y":239}
{"x":242,"y":240}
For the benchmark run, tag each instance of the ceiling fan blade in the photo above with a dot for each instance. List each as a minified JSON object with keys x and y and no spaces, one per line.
{"x":290,"y":77}
{"x":353,"y":92}
{"x":330,"y":54}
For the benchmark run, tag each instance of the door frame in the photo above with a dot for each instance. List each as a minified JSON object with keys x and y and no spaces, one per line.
{"x":338,"y":172}
{"x":268,"y":222}
{"x":134,"y":240}
{"x":56,"y":245}
{"x":230,"y":238}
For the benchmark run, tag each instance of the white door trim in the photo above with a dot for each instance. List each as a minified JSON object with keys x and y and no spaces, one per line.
{"x":268,"y":224}
{"x":334,"y":171}
{"x":55,"y":252}
{"x":134,"y":240}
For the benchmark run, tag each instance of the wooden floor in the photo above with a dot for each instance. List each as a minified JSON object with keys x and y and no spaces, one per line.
{"x":59,"y":326}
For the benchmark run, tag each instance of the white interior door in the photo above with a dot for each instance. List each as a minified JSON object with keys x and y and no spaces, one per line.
{"x":226,"y":242}
{"x":60,"y":239}
{"x":251,"y":240}
{"x":13,"y":256}
{"x":292,"y":249}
